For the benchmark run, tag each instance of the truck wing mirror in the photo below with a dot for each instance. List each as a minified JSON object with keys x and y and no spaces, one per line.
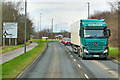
{"x":108,"y":32}
{"x":80,"y":33}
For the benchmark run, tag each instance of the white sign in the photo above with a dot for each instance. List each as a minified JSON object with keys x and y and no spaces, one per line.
{"x":10,"y":29}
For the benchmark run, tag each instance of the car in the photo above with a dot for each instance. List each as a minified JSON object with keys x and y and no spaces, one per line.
{"x":66,"y":41}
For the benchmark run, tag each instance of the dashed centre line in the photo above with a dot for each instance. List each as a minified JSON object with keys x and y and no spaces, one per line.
{"x":86,"y":76}
{"x":71,"y":56}
{"x":74,"y":60}
{"x":79,"y":66}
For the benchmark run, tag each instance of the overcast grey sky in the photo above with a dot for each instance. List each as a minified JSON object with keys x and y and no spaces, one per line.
{"x":64,"y":12}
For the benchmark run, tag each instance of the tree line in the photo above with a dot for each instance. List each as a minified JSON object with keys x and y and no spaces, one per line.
{"x":112,"y":21}
{"x":13,"y":12}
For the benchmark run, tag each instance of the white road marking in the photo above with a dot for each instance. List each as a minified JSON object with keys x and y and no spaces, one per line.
{"x":86,"y":76}
{"x":71,"y":56}
{"x":74,"y":60}
{"x":79,"y":66}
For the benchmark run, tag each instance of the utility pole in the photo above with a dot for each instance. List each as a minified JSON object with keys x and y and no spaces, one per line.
{"x":1,"y":37}
{"x":88,"y":10}
{"x":52,"y":29}
{"x":40,"y":27}
{"x":38,"y":31}
{"x":25,"y":25}
{"x":1,"y":24}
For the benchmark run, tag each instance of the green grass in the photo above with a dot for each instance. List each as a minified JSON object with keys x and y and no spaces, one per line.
{"x":114,"y":53}
{"x":10,"y":48}
{"x":15,"y":66}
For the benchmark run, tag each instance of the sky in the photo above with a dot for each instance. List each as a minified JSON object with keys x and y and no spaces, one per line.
{"x":63,"y":12}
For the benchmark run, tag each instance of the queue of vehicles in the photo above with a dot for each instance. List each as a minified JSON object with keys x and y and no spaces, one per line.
{"x":89,"y":38}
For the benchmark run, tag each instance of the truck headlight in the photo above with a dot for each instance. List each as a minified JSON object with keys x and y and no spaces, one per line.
{"x":85,"y":50}
{"x":105,"y":51}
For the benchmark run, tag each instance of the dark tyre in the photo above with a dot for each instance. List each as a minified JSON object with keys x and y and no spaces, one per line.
{"x":73,"y":50}
{"x":105,"y":58}
{"x":78,"y":52}
{"x":83,"y":58}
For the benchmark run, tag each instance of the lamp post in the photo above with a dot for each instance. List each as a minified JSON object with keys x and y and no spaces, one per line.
{"x":40,"y":27}
{"x":1,"y":35}
{"x":25,"y":25}
{"x":88,"y":10}
{"x":52,"y":29}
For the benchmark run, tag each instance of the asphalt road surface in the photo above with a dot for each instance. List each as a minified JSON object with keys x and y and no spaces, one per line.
{"x":59,"y":61}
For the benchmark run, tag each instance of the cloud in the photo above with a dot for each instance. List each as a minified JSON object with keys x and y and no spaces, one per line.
{"x":64,"y":12}
{"x":60,"y":12}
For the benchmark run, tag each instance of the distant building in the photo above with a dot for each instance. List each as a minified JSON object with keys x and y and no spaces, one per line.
{"x":59,"y":36}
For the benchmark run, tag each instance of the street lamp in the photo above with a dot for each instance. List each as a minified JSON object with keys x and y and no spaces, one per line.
{"x":40,"y":25}
{"x":25,"y":25}
{"x":88,"y":10}
{"x":52,"y":29}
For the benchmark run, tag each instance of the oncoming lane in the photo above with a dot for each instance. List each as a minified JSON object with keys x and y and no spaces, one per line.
{"x":56,"y":63}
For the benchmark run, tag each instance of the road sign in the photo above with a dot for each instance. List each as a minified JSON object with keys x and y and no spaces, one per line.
{"x":10,"y":29}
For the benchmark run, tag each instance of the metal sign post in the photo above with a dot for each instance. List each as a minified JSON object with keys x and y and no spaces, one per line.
{"x":9,"y":41}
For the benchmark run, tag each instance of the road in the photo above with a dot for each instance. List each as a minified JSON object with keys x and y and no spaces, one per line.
{"x":59,"y":61}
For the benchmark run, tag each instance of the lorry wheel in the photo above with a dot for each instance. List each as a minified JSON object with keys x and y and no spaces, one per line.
{"x":83,"y":58}
{"x":105,"y":58}
{"x":73,"y":50}
{"x":78,"y":52}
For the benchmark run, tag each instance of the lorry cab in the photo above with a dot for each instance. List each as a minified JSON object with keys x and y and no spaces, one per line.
{"x":94,"y":38}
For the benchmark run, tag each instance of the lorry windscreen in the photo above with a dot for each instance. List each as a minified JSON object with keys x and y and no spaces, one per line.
{"x":94,"y":33}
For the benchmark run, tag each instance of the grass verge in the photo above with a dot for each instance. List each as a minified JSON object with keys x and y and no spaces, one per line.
{"x":10,"y":48}
{"x":114,"y":53}
{"x":14,"y":67}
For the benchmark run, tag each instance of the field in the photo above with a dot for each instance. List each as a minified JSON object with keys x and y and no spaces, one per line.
{"x":114,"y":53}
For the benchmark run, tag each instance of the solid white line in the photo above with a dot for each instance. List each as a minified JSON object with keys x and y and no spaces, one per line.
{"x":74,"y":60}
{"x":71,"y":56}
{"x":86,"y":76}
{"x":79,"y":66}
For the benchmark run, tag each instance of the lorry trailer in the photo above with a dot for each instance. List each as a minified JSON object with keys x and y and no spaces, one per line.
{"x":89,"y":38}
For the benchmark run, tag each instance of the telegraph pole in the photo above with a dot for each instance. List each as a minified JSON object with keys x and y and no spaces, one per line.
{"x":40,"y":27}
{"x":25,"y":25}
{"x":88,"y":10}
{"x":38,"y":31}
{"x":1,"y":37}
{"x":52,"y":29}
{"x":1,"y":23}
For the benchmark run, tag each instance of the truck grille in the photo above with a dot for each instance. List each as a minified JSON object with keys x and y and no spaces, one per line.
{"x":99,"y":46}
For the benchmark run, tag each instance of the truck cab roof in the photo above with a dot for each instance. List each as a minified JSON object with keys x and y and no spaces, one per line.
{"x":92,"y":20}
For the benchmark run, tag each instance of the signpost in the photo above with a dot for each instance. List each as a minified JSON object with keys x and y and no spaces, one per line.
{"x":10,"y":31}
